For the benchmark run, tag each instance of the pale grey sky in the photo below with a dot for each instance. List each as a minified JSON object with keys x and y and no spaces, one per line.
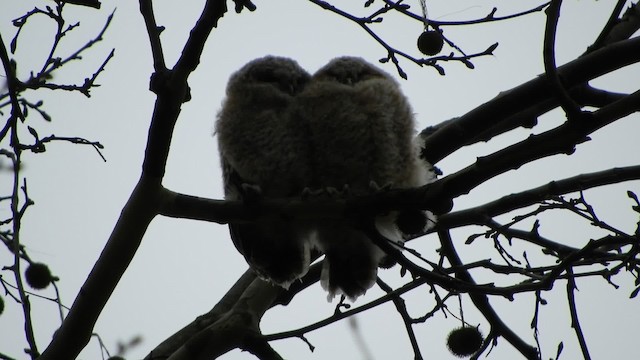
{"x":183,"y":267}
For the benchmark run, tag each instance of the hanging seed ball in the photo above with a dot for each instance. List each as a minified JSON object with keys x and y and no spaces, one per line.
{"x":38,"y":276}
{"x":464,"y":341}
{"x":430,"y":42}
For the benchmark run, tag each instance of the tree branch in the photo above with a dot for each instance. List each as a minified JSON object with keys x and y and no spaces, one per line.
{"x":559,"y":140}
{"x":125,"y":239}
{"x":175,"y":341}
{"x":144,"y":202}
{"x":478,"y":215}
{"x":575,"y":323}
{"x":406,"y":319}
{"x":154,"y":31}
{"x":238,"y":327}
{"x":568,"y":105}
{"x":482,"y":303}
{"x":449,"y":138}
{"x":618,"y":27}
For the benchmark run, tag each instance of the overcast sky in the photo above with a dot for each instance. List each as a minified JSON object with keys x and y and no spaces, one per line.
{"x":183,"y":267}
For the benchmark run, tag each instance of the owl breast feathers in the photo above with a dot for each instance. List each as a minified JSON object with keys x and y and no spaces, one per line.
{"x":281,"y":131}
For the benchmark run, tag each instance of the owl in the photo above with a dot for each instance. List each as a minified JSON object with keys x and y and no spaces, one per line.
{"x":264,"y":151}
{"x":282,"y":132}
{"x":360,"y":130}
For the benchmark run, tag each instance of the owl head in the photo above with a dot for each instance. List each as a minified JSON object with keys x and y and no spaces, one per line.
{"x":281,"y":74}
{"x":350,"y":70}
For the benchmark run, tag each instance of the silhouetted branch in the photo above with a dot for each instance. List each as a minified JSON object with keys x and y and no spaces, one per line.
{"x":402,"y":310}
{"x":52,"y":63}
{"x":575,"y":323}
{"x":482,"y":302}
{"x":85,"y":88}
{"x":618,"y":27}
{"x":479,"y":215}
{"x":344,"y":314}
{"x":568,"y":105}
{"x":17,"y":211}
{"x":154,"y":31}
{"x":449,"y":138}
{"x":491,"y":17}
{"x":393,"y":53}
{"x":172,"y":89}
{"x":224,"y":305}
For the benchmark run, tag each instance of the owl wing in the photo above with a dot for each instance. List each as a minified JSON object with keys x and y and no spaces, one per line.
{"x":277,"y":249}
{"x":360,"y":128}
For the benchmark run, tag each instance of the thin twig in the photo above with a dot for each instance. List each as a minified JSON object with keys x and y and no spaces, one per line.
{"x":486,"y":19}
{"x":575,"y":323}
{"x":408,"y":322}
{"x":482,"y":303}
{"x":16,"y":213}
{"x":568,"y":105}
{"x":153,"y":30}
{"x":344,"y":314}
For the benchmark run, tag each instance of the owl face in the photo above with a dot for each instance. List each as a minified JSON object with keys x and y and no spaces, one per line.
{"x":278,"y":73}
{"x":349,"y":70}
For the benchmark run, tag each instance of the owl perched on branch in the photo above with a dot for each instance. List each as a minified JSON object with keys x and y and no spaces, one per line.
{"x":347,"y":130}
{"x":361,"y":131}
{"x":262,"y":148}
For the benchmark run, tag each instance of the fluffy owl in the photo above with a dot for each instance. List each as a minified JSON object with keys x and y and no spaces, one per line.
{"x":281,"y":132}
{"x":263,"y":148}
{"x":360,"y":130}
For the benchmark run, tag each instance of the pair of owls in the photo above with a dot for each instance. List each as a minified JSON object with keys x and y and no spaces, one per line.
{"x":284,"y":131}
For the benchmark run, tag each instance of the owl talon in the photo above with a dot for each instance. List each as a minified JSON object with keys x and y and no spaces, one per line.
{"x":308,"y":193}
{"x":251,"y":193}
{"x":332,"y":192}
{"x":374,"y":187}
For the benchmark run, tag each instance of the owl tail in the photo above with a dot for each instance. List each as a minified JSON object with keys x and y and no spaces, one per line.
{"x":278,"y":252}
{"x":351,"y":261}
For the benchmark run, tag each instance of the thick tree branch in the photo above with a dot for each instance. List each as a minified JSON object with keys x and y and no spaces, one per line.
{"x":455,"y":134}
{"x":559,"y":140}
{"x":237,"y":328}
{"x":125,"y":239}
{"x":175,"y":341}
{"x":142,"y":206}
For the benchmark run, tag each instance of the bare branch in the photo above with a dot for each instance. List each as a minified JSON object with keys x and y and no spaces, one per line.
{"x":402,"y":310}
{"x":479,"y":214}
{"x":488,"y":18}
{"x":575,"y":323}
{"x":154,"y":31}
{"x":618,"y":27}
{"x":175,"y":341}
{"x":568,"y":105}
{"x":445,"y":140}
{"x":482,"y":303}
